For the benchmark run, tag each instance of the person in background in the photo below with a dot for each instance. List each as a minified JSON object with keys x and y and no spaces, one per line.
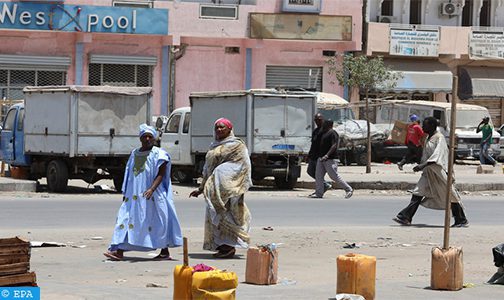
{"x":314,"y":149}
{"x":430,"y":190}
{"x":226,"y":178}
{"x":147,"y":219}
{"x":486,"y":139}
{"x":328,"y":161}
{"x":413,"y":141}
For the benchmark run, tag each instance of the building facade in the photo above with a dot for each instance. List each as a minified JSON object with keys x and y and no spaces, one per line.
{"x":176,"y":47}
{"x":429,"y":41}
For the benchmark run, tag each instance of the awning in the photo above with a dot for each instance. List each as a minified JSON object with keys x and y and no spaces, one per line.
{"x":481,"y":82}
{"x":420,"y":77}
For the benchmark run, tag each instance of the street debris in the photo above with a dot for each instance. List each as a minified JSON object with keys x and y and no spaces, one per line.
{"x":121,"y":280}
{"x":37,"y":244}
{"x":349,"y":297}
{"x":155,"y":285}
{"x":286,"y":281}
{"x":269,"y":228}
{"x":97,"y":238}
{"x":468,"y":285}
{"x":351,"y":246}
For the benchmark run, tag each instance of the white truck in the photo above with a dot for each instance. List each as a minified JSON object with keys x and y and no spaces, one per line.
{"x":275,"y":125}
{"x":71,"y":132}
{"x":468,"y":117}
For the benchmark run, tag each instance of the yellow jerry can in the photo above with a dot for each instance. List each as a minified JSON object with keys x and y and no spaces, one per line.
{"x":356,"y":275}
{"x":214,"y":285}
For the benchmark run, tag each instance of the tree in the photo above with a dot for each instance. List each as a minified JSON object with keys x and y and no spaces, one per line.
{"x":366,"y":74}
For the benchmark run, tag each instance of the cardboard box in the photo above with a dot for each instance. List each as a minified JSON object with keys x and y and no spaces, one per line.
{"x":262,"y":267}
{"x":399,"y":132}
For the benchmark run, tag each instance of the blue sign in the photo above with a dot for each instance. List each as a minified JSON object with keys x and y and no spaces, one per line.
{"x":62,"y":17}
{"x":20,"y":292}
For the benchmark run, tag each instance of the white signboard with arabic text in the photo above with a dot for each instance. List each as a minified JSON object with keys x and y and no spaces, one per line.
{"x":486,"y":45}
{"x":408,"y":42}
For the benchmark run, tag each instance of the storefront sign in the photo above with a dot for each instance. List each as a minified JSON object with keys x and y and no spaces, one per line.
{"x":62,"y":17}
{"x":486,"y":45}
{"x":414,"y":42}
{"x":300,"y":27}
{"x":306,"y":6}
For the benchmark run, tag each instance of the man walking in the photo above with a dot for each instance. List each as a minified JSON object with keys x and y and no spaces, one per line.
{"x":486,"y":140}
{"x":413,"y":141}
{"x":314,"y":149}
{"x":430,"y":191}
{"x":327,"y":161}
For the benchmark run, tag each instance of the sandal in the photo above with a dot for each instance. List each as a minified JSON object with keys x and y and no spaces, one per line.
{"x":227,"y":254}
{"x":112,"y":256}
{"x":163,"y":257}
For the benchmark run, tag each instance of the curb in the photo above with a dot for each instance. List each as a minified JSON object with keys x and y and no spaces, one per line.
{"x":397,"y":185}
{"x":16,"y":185}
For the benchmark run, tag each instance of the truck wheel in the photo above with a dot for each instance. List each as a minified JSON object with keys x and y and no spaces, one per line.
{"x":285,"y":184}
{"x":57,"y":176}
{"x":181,"y":176}
{"x":118,"y":182}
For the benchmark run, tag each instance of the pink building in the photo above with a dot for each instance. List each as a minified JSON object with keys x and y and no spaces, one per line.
{"x":432,"y":40}
{"x":176,"y":47}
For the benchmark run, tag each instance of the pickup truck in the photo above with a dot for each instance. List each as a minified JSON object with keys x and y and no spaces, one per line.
{"x":74,"y":132}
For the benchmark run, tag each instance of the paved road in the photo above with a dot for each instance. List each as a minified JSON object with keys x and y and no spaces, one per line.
{"x":313,"y":233}
{"x":269,"y":208}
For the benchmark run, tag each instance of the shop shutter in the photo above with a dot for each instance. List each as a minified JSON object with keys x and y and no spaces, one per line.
{"x":309,"y":78}
{"x":28,"y":62}
{"x":122,"y":60}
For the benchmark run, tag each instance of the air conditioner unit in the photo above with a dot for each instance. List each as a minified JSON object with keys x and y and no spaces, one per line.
{"x":209,"y":11}
{"x":388,"y":19}
{"x":450,"y":9}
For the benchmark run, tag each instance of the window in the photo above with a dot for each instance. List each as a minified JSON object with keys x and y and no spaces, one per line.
{"x":120,"y":75}
{"x":387,"y":8}
{"x":20,"y":120}
{"x":187,"y":122}
{"x":173,"y":124}
{"x":485,"y":14}
{"x":467,"y":12}
{"x":136,"y":4}
{"x":12,"y":82}
{"x":9,"y":120}
{"x":415,"y":11}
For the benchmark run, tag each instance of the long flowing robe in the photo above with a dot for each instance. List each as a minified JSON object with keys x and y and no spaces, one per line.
{"x":146,"y":224}
{"x":432,"y":183}
{"x":226,"y":178}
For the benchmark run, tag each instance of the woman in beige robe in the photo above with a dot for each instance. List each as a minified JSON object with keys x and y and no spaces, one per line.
{"x":226,"y":178}
{"x":430,"y":190}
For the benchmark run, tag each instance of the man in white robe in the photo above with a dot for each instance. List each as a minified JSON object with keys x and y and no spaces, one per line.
{"x":430,"y":191}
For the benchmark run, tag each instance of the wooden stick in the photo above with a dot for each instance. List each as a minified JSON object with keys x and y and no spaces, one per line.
{"x":186,"y":253}
{"x":453,"y":119}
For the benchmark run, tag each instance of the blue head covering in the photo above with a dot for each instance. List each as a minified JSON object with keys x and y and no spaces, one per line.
{"x":413,"y":118}
{"x":144,"y":128}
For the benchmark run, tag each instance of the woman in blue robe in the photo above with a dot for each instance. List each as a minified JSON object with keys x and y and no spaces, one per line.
{"x":147,"y":219}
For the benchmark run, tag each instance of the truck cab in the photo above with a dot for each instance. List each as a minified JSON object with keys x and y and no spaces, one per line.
{"x":12,"y":137}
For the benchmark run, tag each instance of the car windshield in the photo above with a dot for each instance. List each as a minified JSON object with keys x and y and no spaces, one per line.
{"x":337,"y":115}
{"x":470,"y":118}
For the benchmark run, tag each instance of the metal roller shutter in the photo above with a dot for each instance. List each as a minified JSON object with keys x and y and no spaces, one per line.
{"x":309,"y":78}
{"x":122,"y":60}
{"x":28,"y":62}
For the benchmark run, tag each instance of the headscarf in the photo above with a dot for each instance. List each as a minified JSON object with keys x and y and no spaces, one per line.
{"x":144,"y":128}
{"x":225,"y":122}
{"x":413,"y":118}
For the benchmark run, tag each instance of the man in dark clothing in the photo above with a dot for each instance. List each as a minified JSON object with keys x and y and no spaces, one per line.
{"x":327,"y":161}
{"x":314,"y":149}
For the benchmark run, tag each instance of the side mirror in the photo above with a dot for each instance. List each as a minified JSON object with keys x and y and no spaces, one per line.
{"x":159,"y":123}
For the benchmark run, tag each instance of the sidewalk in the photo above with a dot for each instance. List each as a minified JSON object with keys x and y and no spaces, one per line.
{"x":382,"y":177}
{"x":389,"y":177}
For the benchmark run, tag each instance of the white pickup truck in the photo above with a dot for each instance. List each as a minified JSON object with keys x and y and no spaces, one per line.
{"x":275,"y":125}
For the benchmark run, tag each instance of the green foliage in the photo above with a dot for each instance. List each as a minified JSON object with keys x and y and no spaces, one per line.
{"x":363,"y":72}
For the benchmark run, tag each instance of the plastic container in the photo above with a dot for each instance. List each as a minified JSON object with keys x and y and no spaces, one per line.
{"x":262,"y":266}
{"x":447,"y":271}
{"x":213,"y":285}
{"x":356,"y":275}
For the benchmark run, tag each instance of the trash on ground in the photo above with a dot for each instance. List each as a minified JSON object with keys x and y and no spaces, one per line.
{"x":155,"y":285}
{"x":351,"y":246}
{"x":349,"y":297}
{"x":269,"y":228}
{"x":97,"y":238}
{"x":287,"y":282}
{"x":36,"y":244}
{"x":468,"y":285}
